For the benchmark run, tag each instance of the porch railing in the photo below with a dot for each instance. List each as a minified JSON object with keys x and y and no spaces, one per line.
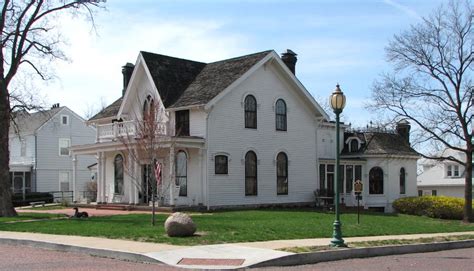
{"x":112,"y":131}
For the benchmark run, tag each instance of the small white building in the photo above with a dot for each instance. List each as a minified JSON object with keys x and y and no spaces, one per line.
{"x":237,"y":132}
{"x":446,"y":178}
{"x":39,"y":144}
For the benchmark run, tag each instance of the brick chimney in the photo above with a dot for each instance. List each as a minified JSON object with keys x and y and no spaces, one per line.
{"x":403,"y":129}
{"x":127,"y":71}
{"x":289,"y":57}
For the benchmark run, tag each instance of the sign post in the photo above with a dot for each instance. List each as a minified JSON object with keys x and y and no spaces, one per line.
{"x":358,"y":191}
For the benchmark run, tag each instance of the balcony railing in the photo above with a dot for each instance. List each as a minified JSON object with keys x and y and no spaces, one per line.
{"x":112,"y":131}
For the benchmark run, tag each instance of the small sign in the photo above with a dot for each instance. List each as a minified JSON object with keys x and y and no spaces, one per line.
{"x":358,"y":187}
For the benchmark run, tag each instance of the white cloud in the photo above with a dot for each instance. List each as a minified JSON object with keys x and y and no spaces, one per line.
{"x":95,"y":67}
{"x":408,"y":11}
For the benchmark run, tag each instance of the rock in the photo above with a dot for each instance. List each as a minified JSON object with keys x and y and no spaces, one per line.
{"x":179,"y":225}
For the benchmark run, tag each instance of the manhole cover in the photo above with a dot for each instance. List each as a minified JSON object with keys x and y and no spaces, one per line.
{"x":204,"y":261}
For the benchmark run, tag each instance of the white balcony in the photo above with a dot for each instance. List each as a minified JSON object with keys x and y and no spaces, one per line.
{"x":112,"y":131}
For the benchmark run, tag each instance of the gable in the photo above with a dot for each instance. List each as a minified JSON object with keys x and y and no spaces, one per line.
{"x":272,"y":60}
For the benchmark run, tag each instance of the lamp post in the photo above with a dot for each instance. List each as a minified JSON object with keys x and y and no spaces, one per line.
{"x":337,"y":101}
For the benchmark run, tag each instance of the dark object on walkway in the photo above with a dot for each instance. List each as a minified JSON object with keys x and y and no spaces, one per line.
{"x":78,"y":214}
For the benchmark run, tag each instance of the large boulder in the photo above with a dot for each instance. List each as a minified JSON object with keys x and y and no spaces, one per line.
{"x":179,"y":225}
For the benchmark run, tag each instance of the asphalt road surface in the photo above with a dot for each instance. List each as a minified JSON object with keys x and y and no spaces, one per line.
{"x":458,"y":259}
{"x":27,"y":258}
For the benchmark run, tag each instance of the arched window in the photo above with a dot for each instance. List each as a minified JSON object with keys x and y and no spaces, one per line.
{"x":148,"y":108}
{"x":250,"y":174}
{"x":250,"y":108}
{"x":282,"y":174}
{"x":376,"y":181}
{"x":280,"y":115}
{"x":402,"y":181}
{"x":182,"y":173}
{"x":354,"y":145}
{"x":118,"y":174}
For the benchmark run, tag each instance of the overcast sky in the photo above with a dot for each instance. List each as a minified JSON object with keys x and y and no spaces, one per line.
{"x":336,"y":41}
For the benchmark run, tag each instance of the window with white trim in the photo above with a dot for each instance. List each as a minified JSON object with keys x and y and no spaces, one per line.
{"x":64,"y":119}
{"x":64,"y":144}
{"x":221,"y":164}
{"x":63,"y":181}
{"x":452,"y":171}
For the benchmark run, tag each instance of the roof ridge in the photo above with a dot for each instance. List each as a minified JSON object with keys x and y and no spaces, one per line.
{"x":240,"y":57}
{"x":173,"y":57}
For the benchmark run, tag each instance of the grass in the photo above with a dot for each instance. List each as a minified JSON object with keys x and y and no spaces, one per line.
{"x":379,"y":243}
{"x":242,"y":226}
{"x":29,"y":216}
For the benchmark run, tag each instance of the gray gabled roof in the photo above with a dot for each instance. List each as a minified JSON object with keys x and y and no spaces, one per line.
{"x":182,"y":82}
{"x":27,"y":123}
{"x":215,"y":77}
{"x":379,"y":143}
{"x":109,"y":111}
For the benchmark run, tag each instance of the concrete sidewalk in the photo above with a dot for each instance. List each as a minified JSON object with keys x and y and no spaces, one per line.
{"x":222,"y":256}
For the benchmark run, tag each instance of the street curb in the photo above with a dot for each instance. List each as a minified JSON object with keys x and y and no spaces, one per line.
{"x":114,"y":254}
{"x":342,"y":254}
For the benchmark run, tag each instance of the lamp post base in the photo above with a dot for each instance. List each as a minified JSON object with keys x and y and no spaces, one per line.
{"x":337,"y":240}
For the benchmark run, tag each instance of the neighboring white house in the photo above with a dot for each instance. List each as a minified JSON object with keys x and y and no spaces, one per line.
{"x":39,"y":144}
{"x":446,"y":178}
{"x":238,"y":132}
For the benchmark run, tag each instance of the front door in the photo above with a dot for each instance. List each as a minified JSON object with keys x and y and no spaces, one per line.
{"x":149,"y":183}
{"x":146,"y":189}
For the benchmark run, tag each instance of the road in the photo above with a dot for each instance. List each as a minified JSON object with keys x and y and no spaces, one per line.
{"x":458,"y":259}
{"x":28,"y":258}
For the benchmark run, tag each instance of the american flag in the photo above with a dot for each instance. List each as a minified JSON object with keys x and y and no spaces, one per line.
{"x":158,"y":173}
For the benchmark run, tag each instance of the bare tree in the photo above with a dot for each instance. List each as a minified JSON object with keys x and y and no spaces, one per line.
{"x":28,"y":36}
{"x":143,"y":141}
{"x":432,"y":86}
{"x":94,"y":108}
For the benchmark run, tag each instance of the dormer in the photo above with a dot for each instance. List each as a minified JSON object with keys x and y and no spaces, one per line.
{"x":353,"y":144}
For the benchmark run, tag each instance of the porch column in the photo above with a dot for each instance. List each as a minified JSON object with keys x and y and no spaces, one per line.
{"x":172,"y":181}
{"x":74,"y":177}
{"x":104,"y":178}
{"x":99,"y":177}
{"x":138,"y":183}
{"x":201,"y":166}
{"x":133,"y":181}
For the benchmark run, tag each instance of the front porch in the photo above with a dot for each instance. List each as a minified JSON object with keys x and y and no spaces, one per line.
{"x":124,"y":179}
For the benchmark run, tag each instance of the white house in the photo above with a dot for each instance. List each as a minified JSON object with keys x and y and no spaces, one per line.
{"x":446,"y":178}
{"x":39,"y":150}
{"x":237,"y":132}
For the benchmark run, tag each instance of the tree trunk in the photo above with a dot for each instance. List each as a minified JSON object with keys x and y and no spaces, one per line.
{"x":153,"y":200}
{"x":6,"y":206}
{"x":467,"y":215}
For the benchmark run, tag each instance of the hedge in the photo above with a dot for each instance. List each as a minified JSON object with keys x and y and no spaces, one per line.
{"x":431,"y":206}
{"x":17,"y":199}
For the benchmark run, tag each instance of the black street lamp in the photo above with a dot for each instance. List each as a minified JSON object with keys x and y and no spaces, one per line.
{"x":337,"y":101}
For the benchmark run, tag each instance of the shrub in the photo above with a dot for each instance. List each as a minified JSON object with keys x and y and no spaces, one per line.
{"x":17,"y":199}
{"x":431,"y":206}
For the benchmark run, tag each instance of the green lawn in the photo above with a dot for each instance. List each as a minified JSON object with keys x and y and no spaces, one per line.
{"x":242,"y":226}
{"x":29,"y":216}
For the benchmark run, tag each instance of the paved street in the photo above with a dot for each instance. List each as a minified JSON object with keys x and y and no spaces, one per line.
{"x":459,"y":259}
{"x":28,"y":258}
